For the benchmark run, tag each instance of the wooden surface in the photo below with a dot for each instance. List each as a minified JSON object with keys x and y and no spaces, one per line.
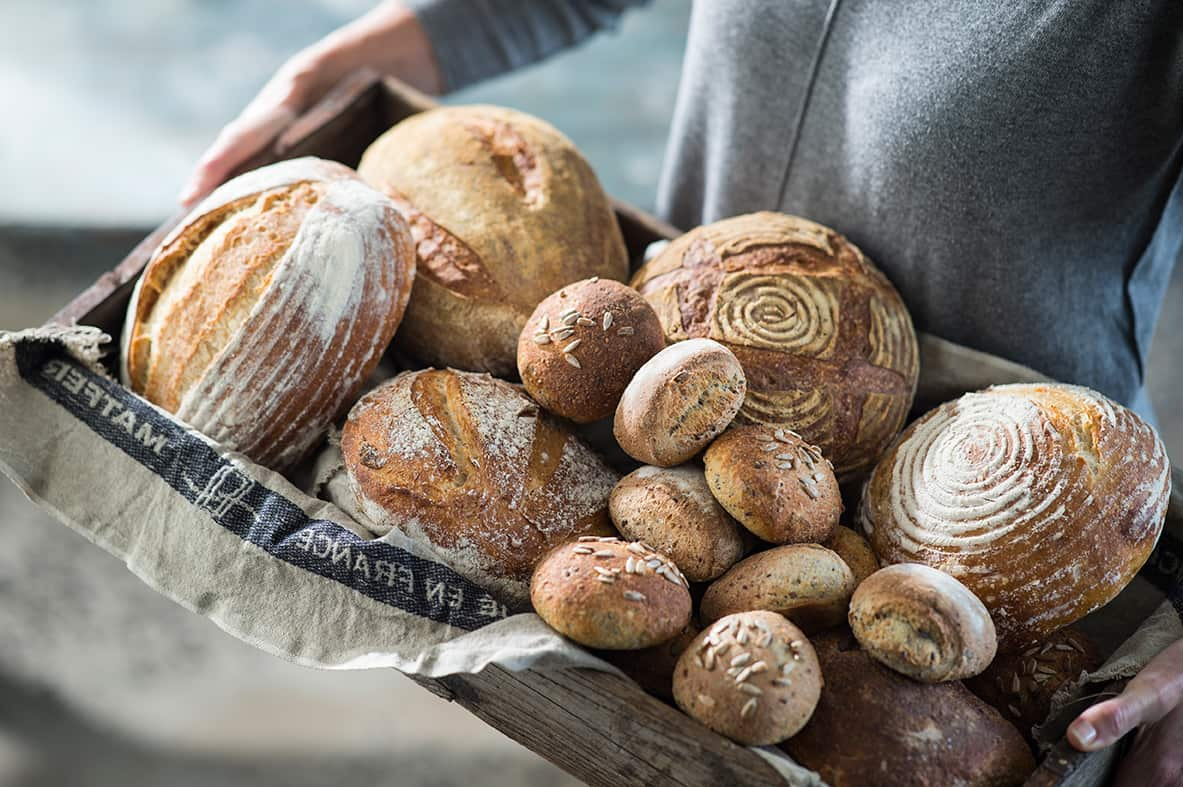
{"x":599,"y":727}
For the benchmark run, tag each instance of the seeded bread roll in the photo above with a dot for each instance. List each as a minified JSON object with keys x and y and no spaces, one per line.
{"x":1045,"y":500}
{"x":825,"y":340}
{"x":752,"y":677}
{"x":1021,"y":685}
{"x":775,"y":484}
{"x":922,"y":623}
{"x":653,"y":668}
{"x":473,"y":467}
{"x":582,"y":346}
{"x":855,"y":552}
{"x":873,"y":726}
{"x":679,"y":401}
{"x":608,"y":594}
{"x":504,"y":211}
{"x":262,"y":313}
{"x":807,"y":583}
{"x":672,"y":509}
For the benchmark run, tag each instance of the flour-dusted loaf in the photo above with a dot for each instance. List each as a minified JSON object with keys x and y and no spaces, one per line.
{"x":752,"y":677}
{"x":1044,"y":500}
{"x":610,"y":594}
{"x":678,"y":402}
{"x":825,"y":341}
{"x":873,"y":726}
{"x":261,"y":314}
{"x":582,"y":346}
{"x":504,"y":210}
{"x":672,"y":509}
{"x":922,"y":623}
{"x":473,"y":467}
{"x":774,"y":483}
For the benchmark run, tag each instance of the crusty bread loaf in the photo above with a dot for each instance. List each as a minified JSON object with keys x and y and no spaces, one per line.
{"x":855,"y":552}
{"x":582,"y":346}
{"x":261,"y":314}
{"x":653,"y":667}
{"x":609,"y":594}
{"x":824,"y":338}
{"x":680,"y":400}
{"x":774,"y":483}
{"x":1044,"y":500}
{"x":672,"y":509}
{"x":1020,"y":685}
{"x":807,"y":583}
{"x":922,"y":623}
{"x":504,"y":211}
{"x":752,"y":677}
{"x":473,"y":467}
{"x":873,"y":726}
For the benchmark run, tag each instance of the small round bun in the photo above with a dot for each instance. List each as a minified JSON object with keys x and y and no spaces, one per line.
{"x":653,"y":668}
{"x":777,"y":485}
{"x":672,"y":509}
{"x":679,"y":401}
{"x":752,"y":677}
{"x":582,"y":346}
{"x":923,"y":623}
{"x":807,"y":583}
{"x":855,"y":552}
{"x":609,"y":594}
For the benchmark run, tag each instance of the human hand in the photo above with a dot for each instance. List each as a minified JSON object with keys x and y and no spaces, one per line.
{"x":1154,"y":700}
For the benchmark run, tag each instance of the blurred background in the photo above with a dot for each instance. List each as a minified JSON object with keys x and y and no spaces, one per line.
{"x":103,"y":682}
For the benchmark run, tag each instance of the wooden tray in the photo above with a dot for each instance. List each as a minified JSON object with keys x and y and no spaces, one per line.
{"x":599,"y":727}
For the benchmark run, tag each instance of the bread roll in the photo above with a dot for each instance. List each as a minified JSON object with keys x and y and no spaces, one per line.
{"x":752,"y":677}
{"x":582,"y":346}
{"x":807,"y":583}
{"x":855,"y":552}
{"x":824,"y":338}
{"x":1021,"y":685}
{"x":504,"y":210}
{"x":679,"y":401}
{"x":775,"y":484}
{"x":263,"y":311}
{"x":873,"y":726}
{"x":922,"y":623}
{"x":473,"y":467}
{"x":1044,"y":500}
{"x":605,"y":593}
{"x":653,"y":667}
{"x":672,"y":509}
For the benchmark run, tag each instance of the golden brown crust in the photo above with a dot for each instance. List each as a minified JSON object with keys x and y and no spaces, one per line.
{"x":680,"y":400}
{"x":807,"y":583}
{"x":1021,"y":685}
{"x":752,"y":677}
{"x":922,"y":623}
{"x":582,"y":346}
{"x":653,"y":668}
{"x":873,"y":726}
{"x":1044,"y":500}
{"x":824,"y":338}
{"x":264,"y":311}
{"x":608,"y":594}
{"x":775,"y":484}
{"x":472,"y":466}
{"x":504,"y":210}
{"x":672,"y":509}
{"x":855,"y":552}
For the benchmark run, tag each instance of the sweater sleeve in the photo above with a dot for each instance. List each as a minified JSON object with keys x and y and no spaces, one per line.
{"x":479,"y":39}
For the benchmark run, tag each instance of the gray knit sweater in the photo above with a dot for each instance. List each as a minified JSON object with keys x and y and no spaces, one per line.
{"x":1012,"y":165}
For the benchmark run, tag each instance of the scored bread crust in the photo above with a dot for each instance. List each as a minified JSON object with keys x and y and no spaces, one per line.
{"x":473,"y":467}
{"x":1044,"y":500}
{"x":261,"y":314}
{"x":824,"y":338}
{"x":504,"y":211}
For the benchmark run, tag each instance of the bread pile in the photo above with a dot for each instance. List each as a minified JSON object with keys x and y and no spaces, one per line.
{"x":748,"y":369}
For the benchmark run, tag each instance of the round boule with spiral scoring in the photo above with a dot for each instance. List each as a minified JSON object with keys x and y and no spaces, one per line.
{"x":824,"y":339}
{"x":1044,"y":500}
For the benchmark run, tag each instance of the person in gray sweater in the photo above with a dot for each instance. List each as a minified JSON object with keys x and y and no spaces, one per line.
{"x":1013,"y":166}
